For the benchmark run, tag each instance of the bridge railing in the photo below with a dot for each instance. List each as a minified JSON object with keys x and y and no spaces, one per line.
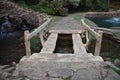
{"x":28,"y":36}
{"x":97,"y":35}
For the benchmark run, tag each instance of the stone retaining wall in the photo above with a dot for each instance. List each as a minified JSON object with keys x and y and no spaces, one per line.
{"x":103,"y":14}
{"x":19,"y":13}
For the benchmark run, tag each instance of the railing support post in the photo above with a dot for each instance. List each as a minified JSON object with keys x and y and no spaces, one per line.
{"x":98,"y":44}
{"x":41,"y":37}
{"x":27,"y":44}
{"x":88,"y":37}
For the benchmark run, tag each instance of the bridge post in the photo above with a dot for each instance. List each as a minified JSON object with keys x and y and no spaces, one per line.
{"x":41,"y":37}
{"x":27,"y":43}
{"x":98,"y":44}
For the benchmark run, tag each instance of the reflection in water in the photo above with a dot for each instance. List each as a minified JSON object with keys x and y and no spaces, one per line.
{"x":6,"y":25}
{"x":64,"y":44}
{"x":113,"y":20}
{"x":11,"y":40}
{"x":106,"y":22}
{"x":109,"y":49}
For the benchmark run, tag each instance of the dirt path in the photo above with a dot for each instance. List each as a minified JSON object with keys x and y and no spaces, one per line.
{"x":66,"y":23}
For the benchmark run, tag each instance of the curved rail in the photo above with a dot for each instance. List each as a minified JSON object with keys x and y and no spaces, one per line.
{"x":97,"y":35}
{"x":28,"y":36}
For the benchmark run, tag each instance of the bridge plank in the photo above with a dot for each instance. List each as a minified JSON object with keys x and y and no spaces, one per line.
{"x":78,"y":45}
{"x":65,"y":31}
{"x":50,"y":44}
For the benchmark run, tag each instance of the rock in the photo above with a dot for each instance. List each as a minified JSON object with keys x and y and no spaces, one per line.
{"x":87,"y":74}
{"x":14,"y":11}
{"x":4,"y":75}
{"x":117,"y":62}
{"x":111,"y":75}
{"x":52,"y":78}
{"x":63,"y":73}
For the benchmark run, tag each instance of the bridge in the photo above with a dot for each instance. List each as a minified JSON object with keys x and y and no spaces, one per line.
{"x":50,"y":44}
{"x":59,"y":66}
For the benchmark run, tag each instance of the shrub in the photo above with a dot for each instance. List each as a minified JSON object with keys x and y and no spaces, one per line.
{"x":61,"y":7}
{"x":94,"y":5}
{"x":57,"y":8}
{"x":31,"y":2}
{"x":35,"y":44}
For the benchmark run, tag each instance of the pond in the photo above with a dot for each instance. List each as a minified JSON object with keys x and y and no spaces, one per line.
{"x":12,"y":47}
{"x":64,"y":44}
{"x":106,"y":22}
{"x":109,"y":49}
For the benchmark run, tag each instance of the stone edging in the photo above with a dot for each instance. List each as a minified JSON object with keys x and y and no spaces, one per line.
{"x":103,"y":14}
{"x":19,"y":13}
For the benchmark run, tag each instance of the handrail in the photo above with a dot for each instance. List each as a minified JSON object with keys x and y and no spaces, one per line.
{"x":97,"y":35}
{"x":28,"y":36}
{"x":39,"y":28}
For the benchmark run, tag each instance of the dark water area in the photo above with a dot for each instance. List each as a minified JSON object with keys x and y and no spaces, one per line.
{"x":106,"y":22}
{"x":64,"y":44}
{"x":12,"y":47}
{"x":109,"y":48}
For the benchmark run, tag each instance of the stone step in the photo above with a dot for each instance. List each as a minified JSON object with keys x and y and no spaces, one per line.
{"x":39,"y":64}
{"x":64,"y":57}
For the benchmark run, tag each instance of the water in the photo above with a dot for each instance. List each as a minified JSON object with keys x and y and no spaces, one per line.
{"x":64,"y":44}
{"x":12,"y":46}
{"x":106,"y":22}
{"x":109,"y":48}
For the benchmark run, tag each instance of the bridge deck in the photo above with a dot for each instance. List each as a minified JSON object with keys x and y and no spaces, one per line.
{"x":50,"y":44}
{"x":78,"y":45}
{"x":65,"y":31}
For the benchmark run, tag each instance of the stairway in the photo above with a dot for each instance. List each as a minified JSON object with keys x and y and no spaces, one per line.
{"x":40,"y":66}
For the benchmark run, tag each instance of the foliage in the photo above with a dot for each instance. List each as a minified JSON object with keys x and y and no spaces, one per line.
{"x":72,"y":2}
{"x":31,"y":2}
{"x":94,"y":5}
{"x":61,"y":7}
{"x":35,"y":44}
{"x":117,"y":34}
{"x":57,"y":8}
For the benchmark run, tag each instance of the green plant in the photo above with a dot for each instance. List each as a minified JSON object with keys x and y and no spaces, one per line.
{"x":35,"y":43}
{"x":57,"y":8}
{"x":31,"y":2}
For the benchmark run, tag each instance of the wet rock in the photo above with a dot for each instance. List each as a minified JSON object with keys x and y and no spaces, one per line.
{"x":117,"y":62}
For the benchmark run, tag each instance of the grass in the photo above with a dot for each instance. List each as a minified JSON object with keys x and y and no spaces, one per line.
{"x":79,"y":17}
{"x":35,"y":43}
{"x":117,"y":34}
{"x":87,"y":21}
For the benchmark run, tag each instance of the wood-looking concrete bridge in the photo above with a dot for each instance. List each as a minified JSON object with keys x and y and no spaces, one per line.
{"x":50,"y":44}
{"x":77,"y":65}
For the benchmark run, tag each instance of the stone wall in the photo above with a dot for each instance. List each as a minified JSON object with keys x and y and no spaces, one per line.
{"x":19,"y":13}
{"x":103,"y":14}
